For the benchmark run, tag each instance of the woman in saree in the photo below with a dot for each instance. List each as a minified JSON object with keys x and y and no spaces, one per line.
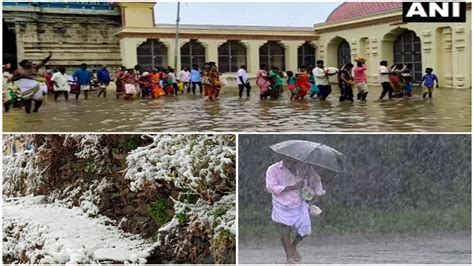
{"x":346,"y":82}
{"x":212,"y":83}
{"x":145,"y":84}
{"x":156,"y":90}
{"x":128,"y":81}
{"x":120,"y":90}
{"x":263,"y":82}
{"x":396,"y":80}
{"x":302,"y":83}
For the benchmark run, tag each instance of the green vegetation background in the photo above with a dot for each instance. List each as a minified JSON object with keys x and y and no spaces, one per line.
{"x":398,"y":184}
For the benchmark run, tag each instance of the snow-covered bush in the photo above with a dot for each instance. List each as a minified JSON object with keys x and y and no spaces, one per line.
{"x":194,"y":162}
{"x":202,"y":169}
{"x":21,"y":174}
{"x":189,"y":180}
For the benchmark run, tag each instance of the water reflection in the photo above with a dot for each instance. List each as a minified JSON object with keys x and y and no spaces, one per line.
{"x":449,"y":110}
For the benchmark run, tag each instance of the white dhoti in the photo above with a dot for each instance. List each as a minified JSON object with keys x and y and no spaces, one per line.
{"x":85,"y":87}
{"x":28,"y":88}
{"x":297,"y":217}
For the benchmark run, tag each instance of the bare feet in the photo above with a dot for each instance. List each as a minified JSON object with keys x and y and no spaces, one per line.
{"x":297,"y":256}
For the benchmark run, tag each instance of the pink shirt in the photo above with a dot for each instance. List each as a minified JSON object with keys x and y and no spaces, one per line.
{"x":279,"y":177}
{"x":359,"y":74}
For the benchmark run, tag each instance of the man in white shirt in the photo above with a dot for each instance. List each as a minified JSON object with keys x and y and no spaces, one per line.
{"x":243,"y":81}
{"x":61,"y":84}
{"x":321,"y":77}
{"x":184,"y":76}
{"x":385,"y":80}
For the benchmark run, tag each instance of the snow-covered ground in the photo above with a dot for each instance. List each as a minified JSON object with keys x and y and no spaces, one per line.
{"x":53,"y":233}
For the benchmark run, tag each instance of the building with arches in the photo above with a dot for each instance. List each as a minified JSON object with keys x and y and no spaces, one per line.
{"x":130,"y":36}
{"x":375,"y":31}
{"x":75,"y":32}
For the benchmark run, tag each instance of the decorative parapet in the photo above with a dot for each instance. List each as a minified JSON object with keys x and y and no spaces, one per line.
{"x":92,"y":8}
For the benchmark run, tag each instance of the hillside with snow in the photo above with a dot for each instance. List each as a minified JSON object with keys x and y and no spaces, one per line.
{"x":119,"y":199}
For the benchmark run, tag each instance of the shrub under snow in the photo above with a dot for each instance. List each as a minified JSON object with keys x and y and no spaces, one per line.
{"x":79,"y":173}
{"x":202,"y":168}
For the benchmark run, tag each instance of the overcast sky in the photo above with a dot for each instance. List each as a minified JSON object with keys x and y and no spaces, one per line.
{"x":261,"y":14}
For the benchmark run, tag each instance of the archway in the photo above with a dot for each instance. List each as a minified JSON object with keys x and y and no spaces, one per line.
{"x":9,"y":46}
{"x":272,"y":54}
{"x":407,"y":50}
{"x":232,"y":55}
{"x":306,"y":55}
{"x":193,"y":52}
{"x":344,"y":55}
{"x":152,"y":54}
{"x":338,"y":52}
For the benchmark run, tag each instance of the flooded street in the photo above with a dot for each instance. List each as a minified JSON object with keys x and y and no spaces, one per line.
{"x":449,"y":110}
{"x":439,"y":248}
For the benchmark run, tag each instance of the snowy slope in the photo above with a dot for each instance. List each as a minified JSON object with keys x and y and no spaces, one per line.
{"x":53,"y":233}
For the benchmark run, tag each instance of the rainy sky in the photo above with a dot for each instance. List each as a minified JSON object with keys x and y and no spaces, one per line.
{"x":260,"y":14}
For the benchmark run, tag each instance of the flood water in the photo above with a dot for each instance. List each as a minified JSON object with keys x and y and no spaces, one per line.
{"x":435,"y":248}
{"x":449,"y":110}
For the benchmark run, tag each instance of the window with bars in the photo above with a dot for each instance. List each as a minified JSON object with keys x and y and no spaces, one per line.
{"x":193,"y":53}
{"x":343,"y":53}
{"x":407,"y":50}
{"x":232,"y":55}
{"x":306,"y":55}
{"x":273,"y":55}
{"x":152,"y":54}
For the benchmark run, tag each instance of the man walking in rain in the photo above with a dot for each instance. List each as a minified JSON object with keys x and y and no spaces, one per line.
{"x":294,"y":183}
{"x":290,"y":211}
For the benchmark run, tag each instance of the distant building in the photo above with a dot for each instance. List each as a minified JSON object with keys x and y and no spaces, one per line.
{"x":76,"y":32}
{"x":371,"y":29}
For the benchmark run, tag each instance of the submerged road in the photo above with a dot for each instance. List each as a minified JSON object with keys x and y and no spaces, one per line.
{"x":449,"y":110}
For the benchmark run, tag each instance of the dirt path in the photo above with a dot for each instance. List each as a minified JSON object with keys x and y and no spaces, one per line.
{"x":434,"y":248}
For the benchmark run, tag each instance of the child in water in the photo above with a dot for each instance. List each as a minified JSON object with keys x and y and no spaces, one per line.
{"x":407,"y":75}
{"x":94,"y":80}
{"x":396,"y":80}
{"x":276,"y":83}
{"x":314,"y":87}
{"x":428,"y":82}
{"x":302,"y":83}
{"x":291,"y":84}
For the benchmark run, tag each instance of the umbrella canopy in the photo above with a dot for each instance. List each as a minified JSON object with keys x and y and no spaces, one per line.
{"x":313,"y":153}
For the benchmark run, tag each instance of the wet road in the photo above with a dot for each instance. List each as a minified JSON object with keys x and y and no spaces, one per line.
{"x":439,"y":248}
{"x":449,"y":110}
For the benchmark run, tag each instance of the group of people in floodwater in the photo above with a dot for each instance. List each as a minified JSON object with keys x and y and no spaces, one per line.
{"x":396,"y":81}
{"x":28,"y":84}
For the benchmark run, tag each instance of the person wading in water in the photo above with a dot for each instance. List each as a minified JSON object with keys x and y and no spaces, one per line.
{"x":27,"y":77}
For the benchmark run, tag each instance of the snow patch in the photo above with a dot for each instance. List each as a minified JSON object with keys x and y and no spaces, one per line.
{"x":53,"y":233}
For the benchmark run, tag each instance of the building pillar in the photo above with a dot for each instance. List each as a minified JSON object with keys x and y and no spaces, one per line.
{"x":128,"y":50}
{"x":316,"y":50}
{"x":291,"y":54}
{"x":461,"y":58}
{"x":373,"y":60}
{"x":171,"y":45}
{"x":355,"y":50}
{"x":253,"y":54}
{"x":321,"y":51}
{"x":445,"y":56}
{"x":137,"y":14}
{"x":20,"y":42}
{"x":212,"y":47}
